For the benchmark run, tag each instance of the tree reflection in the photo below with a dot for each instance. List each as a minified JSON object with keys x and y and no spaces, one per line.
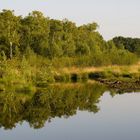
{"x":45,"y":104}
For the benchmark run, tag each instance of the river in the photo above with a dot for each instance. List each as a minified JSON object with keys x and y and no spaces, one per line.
{"x":70,"y":112}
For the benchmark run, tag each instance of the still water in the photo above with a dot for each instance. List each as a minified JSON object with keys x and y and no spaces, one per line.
{"x":72,"y":112}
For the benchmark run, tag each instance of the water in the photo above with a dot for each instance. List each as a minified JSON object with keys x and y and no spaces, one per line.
{"x":87,"y":112}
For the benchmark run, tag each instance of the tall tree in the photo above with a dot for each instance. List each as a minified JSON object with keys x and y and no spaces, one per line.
{"x":35,"y":32}
{"x":9,"y":31}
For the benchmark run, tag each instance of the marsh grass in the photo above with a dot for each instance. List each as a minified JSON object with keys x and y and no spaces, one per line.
{"x":26,"y":74}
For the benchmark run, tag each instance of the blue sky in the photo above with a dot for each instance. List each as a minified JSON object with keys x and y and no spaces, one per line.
{"x":115,"y":17}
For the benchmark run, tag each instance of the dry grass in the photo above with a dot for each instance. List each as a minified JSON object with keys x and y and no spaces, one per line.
{"x":115,"y":68}
{"x":68,"y":85}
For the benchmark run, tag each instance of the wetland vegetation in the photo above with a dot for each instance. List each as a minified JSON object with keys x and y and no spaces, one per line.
{"x":36,"y":51}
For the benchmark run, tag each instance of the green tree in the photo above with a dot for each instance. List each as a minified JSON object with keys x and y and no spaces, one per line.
{"x":35,"y":32}
{"x":9,"y":32}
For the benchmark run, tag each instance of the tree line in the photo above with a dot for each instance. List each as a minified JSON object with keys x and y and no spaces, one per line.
{"x":131,"y":44}
{"x":51,"y":38}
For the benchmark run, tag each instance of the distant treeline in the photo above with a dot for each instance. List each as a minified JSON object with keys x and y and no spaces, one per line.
{"x":51,"y":39}
{"x":131,"y":44}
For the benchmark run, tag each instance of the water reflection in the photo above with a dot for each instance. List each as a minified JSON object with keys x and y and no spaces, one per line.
{"x":45,"y":104}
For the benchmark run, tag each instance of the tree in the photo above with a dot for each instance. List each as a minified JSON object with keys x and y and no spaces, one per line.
{"x":130,"y":44}
{"x":69,"y":29}
{"x":35,"y":32}
{"x":9,"y":31}
{"x":55,"y":38}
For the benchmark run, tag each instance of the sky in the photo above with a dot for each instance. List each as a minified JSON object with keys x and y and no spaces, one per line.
{"x":114,"y":17}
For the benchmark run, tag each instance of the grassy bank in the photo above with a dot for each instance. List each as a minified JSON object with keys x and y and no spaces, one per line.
{"x":120,"y":77}
{"x":113,"y":71}
{"x":25,"y":75}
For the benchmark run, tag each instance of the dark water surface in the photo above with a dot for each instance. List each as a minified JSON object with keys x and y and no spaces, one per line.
{"x":72,"y":112}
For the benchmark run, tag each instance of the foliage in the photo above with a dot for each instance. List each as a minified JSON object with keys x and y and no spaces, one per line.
{"x":55,"y":39}
{"x":131,"y":44}
{"x":32,"y":47}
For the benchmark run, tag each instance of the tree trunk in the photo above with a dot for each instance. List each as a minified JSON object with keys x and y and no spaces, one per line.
{"x":11,"y":50}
